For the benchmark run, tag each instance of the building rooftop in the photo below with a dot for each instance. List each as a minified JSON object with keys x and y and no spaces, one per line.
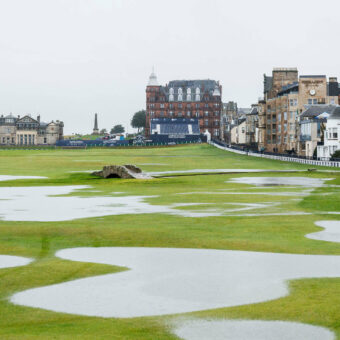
{"x":316,"y":110}
{"x":313,"y":76}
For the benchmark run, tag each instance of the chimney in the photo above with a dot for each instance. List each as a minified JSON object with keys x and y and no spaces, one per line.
{"x":38,"y":118}
{"x":333,"y":79}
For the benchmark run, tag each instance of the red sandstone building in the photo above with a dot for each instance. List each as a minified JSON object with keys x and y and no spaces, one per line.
{"x":199,"y":99}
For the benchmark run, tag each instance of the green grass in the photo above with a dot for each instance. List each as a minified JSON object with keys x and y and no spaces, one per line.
{"x":314,"y":301}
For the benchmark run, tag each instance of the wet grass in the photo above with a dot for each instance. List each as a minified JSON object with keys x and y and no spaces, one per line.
{"x":314,"y":301}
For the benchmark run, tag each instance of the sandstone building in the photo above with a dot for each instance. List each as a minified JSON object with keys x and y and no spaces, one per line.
{"x":286,"y":97}
{"x":29,"y":131}
{"x":185,"y":99}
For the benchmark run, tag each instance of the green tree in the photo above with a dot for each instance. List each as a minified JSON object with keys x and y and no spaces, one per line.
{"x":118,"y":129}
{"x":336,"y":154}
{"x":138,"y":120}
{"x":103,"y":131}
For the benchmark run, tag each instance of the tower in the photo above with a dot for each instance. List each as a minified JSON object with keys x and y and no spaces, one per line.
{"x":95,"y":129}
{"x":152,"y":95}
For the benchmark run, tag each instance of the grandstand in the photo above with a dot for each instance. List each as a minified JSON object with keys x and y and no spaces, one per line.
{"x":174,"y":130}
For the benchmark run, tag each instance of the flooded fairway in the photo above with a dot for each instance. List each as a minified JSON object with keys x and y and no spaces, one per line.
{"x":8,"y":261}
{"x":330,"y":234}
{"x":167,"y":281}
{"x":250,"y":330}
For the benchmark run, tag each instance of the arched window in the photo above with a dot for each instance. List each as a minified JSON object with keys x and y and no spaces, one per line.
{"x":198,"y":91}
{"x":171,"y":97}
{"x":180,"y":97}
{"x":189,"y":97}
{"x":197,"y":97}
{"x":171,"y":91}
{"x":180,"y":91}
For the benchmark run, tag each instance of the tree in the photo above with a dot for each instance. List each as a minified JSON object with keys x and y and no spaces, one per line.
{"x":138,"y":120}
{"x":336,"y":155}
{"x":103,"y":131}
{"x":118,"y":129}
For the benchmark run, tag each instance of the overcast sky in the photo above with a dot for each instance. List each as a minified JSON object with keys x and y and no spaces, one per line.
{"x":67,"y":59}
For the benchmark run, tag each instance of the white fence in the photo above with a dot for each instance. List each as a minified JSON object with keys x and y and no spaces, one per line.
{"x":280,"y":158}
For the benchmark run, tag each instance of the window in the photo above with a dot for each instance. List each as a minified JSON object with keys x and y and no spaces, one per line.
{"x":171,"y":106}
{"x":217,"y":113}
{"x":285,"y":115}
{"x":197,"y":106}
{"x":171,"y":97}
{"x":180,"y":98}
{"x":162,"y":106}
{"x":285,"y":127}
{"x":217,"y":123}
{"x":45,"y":140}
{"x":216,"y":132}
{"x":279,"y":117}
{"x":279,"y":128}
{"x":161,"y":114}
{"x":179,"y":106}
{"x":206,"y":105}
{"x":333,"y":133}
{"x":332,"y":101}
{"x":291,"y":115}
{"x":188,"y":113}
{"x":171,"y":113}
{"x":206,"y":113}
{"x":291,"y":127}
{"x":179,"y":114}
{"x":310,"y":101}
{"x":197,"y":114}
{"x":291,"y":138}
{"x":206,"y":122}
{"x":189,"y":94}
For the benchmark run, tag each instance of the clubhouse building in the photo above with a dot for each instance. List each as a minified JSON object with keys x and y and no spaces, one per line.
{"x":29,"y":131}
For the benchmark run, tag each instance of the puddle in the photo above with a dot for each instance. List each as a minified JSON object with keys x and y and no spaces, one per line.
{"x":8,"y":261}
{"x":330,"y":234}
{"x":250,"y":330}
{"x":279,"y":181}
{"x":46,"y":204}
{"x":12,"y":178}
{"x":278,"y":193}
{"x":203,"y":171}
{"x":167,"y":281}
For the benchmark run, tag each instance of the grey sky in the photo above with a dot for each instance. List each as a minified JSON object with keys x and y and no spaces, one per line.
{"x":67,"y":59}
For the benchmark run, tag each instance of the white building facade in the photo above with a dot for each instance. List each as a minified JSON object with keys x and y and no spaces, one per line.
{"x":332,"y":134}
